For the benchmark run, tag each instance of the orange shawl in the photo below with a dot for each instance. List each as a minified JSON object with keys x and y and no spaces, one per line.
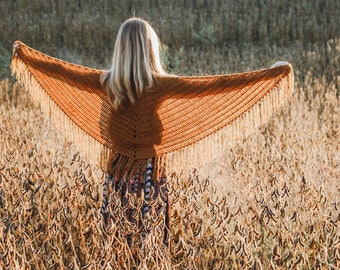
{"x":182,"y":121}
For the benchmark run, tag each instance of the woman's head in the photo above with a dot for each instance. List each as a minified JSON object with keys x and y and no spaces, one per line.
{"x":135,"y":61}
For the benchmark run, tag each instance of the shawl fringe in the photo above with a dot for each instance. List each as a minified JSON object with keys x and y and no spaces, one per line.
{"x":98,"y":153}
{"x":212,"y":146}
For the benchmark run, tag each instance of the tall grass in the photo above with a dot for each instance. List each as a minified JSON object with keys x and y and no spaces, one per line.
{"x":84,"y":31}
{"x":270,"y":202}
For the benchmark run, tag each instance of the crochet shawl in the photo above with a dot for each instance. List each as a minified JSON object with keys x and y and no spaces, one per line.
{"x":182,"y":121}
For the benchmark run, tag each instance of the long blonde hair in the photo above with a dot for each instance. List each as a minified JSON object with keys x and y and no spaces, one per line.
{"x":135,"y":62}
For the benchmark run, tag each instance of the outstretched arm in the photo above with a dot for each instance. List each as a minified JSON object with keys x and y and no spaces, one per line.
{"x":279,"y":63}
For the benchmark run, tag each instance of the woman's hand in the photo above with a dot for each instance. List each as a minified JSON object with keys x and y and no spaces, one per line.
{"x":279,"y":63}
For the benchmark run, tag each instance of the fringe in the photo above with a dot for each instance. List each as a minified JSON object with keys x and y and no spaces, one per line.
{"x":97,"y":153}
{"x":204,"y":151}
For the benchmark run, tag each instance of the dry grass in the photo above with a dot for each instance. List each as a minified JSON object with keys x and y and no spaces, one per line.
{"x":270,"y":202}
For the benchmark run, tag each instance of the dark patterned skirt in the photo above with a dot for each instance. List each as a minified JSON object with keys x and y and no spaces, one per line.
{"x":135,"y":198}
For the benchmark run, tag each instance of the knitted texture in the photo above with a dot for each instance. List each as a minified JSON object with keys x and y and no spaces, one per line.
{"x":181,"y":121}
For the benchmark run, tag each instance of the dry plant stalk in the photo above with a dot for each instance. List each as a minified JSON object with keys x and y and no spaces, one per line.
{"x":271,"y":202}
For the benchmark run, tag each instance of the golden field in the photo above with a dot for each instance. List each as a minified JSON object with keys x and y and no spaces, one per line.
{"x":269,"y":202}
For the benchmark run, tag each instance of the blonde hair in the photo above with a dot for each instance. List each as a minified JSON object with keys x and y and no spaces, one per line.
{"x":135,"y":62}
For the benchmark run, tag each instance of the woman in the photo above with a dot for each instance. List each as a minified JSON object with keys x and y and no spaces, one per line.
{"x":136,"y":63}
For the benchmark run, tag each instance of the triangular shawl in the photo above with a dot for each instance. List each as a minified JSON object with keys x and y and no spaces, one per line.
{"x":182,"y":121}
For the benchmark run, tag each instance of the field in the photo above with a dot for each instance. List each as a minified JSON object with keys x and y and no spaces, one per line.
{"x":270,"y":201}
